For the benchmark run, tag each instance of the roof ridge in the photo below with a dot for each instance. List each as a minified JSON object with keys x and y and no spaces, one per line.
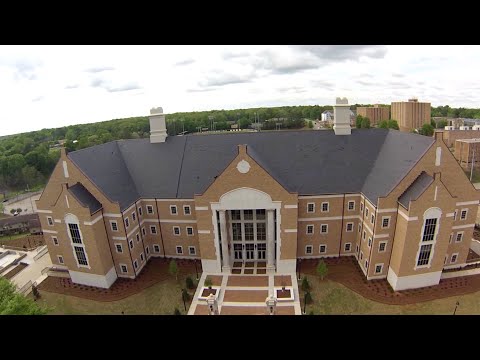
{"x":128,"y":171}
{"x":181,"y":166}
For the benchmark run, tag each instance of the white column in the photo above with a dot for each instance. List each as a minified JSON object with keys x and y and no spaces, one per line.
{"x":223,"y":232}
{"x":270,"y":241}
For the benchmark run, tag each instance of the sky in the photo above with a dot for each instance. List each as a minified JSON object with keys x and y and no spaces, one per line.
{"x":54,"y":86}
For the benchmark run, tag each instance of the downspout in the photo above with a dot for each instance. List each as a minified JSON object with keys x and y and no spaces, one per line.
{"x":140,"y":231}
{"x":160,"y":229}
{"x":341,"y":231}
{"x":110,"y":241}
{"x":128,"y":245}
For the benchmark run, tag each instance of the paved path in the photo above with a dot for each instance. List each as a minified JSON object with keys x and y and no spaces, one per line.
{"x":27,"y":205}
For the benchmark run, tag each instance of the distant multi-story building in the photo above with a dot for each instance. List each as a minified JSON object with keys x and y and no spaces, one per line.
{"x":468,"y":151}
{"x":411,"y":114}
{"x":375,"y":113}
{"x":327,"y":115}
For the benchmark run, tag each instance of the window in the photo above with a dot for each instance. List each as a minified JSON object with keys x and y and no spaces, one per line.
{"x":424,"y":256}
{"x":134,"y":217}
{"x":179,"y":250}
{"x":373,"y":219}
{"x":366,"y":264}
{"x":119,"y":248}
{"x":135,"y":263}
{"x":455,"y":215}
{"x":147,"y":250}
{"x":261,"y":231}
{"x":261,"y":214}
{"x":192,"y":250}
{"x":451,"y":238}
{"x":237,"y":231}
{"x":361,"y":255}
{"x":445,"y":260}
{"x":429,"y":229}
{"x":186,"y":209}
{"x":369,"y":241}
{"x":463,"y":214}
{"x":149,"y":209}
{"x":364,"y":234}
{"x":349,"y":227}
{"x":324,"y":228}
{"x":235,"y":214}
{"x":81,"y":257}
{"x":55,"y":240}
{"x":248,"y":231}
{"x":311,"y":207}
{"x":143,"y":231}
{"x":176,"y":230}
{"x":308,"y":249}
{"x":359,"y":227}
{"x":310,"y":229}
{"x":459,"y":237}
{"x":75,"y":233}
{"x":325,"y":207}
{"x":114,"y":225}
{"x":156,"y":248}
{"x":189,"y":231}
{"x":454,"y":258}
{"x":378,"y":268}
{"x":60,"y":259}
{"x":351,"y":205}
{"x":385,"y":222}
{"x":366,"y":212}
{"x":361,"y":207}
{"x":123,"y":268}
{"x":323,"y":249}
{"x":356,"y":248}
{"x":348,"y":246}
{"x":248,"y":214}
{"x":141,"y":257}
{"x":140,"y":211}
{"x":126,"y":222}
{"x":50,"y":220}
{"x":382,"y":246}
{"x":173,"y":209}
{"x":137,"y":237}
{"x":130,"y":243}
{"x":153,"y":229}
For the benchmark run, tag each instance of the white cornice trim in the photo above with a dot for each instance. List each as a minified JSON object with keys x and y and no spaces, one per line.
{"x":467,"y":203}
{"x":450,"y":215}
{"x":290,"y":206}
{"x":112,"y":215}
{"x":173,"y":221}
{"x":203,"y":231}
{"x":290,"y":230}
{"x":413,"y":218}
{"x":201,"y":208}
{"x":386,"y":210}
{"x":463,"y":226}
{"x":50,"y":231}
{"x":381,"y":236}
{"x":320,"y":218}
{"x":44,"y":211}
{"x":352,"y":195}
{"x":94,"y":221}
{"x":171,"y":200}
{"x":119,"y":238}
{"x":320,"y":196}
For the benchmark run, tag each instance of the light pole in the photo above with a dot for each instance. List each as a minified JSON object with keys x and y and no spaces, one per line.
{"x":456,"y":305}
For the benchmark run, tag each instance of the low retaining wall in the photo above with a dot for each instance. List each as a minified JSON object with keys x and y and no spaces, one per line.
{"x":453,"y":274}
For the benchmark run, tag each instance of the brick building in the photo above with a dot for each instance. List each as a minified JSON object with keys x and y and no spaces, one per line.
{"x":411,"y":114}
{"x":375,"y":113}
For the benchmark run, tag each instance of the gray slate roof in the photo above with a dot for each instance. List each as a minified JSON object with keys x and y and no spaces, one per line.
{"x":85,"y":197}
{"x":421,"y":183}
{"x":371,"y":161}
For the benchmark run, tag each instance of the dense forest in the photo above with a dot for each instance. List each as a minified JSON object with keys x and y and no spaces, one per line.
{"x":27,"y":159}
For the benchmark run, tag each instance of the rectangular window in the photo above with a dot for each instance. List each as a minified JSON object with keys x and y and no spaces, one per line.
{"x":189,"y":231}
{"x":324,"y":228}
{"x":323,"y":249}
{"x":378,"y":268}
{"x":369,"y":241}
{"x":248,"y":231}
{"x":463,"y":214}
{"x":173,"y":209}
{"x":114,"y":225}
{"x":192,"y":250}
{"x":149,"y":209}
{"x":429,"y":229}
{"x":135,"y":263}
{"x":60,"y":259}
{"x":186,"y":209}
{"x":176,"y":230}
{"x":359,"y":227}
{"x":261,"y":214}
{"x":141,"y":257}
{"x":81,"y":257}
{"x":153,"y":229}
{"x":147,"y":250}
{"x":445,"y":260}
{"x":459,"y":237}
{"x":134,"y":217}
{"x":366,"y":212}
{"x":356,"y":248}
{"x":364,"y":234}
{"x":126,"y":222}
{"x":455,"y":215}
{"x":349,"y":227}
{"x":143,"y":231}
{"x":361,"y":207}
{"x":237,"y":231}
{"x":75,"y":233}
{"x":55,"y":240}
{"x":451,"y":238}
{"x":309,"y":229}
{"x":247,"y":214}
{"x":454,"y":258}
{"x":382,"y":246}
{"x":130,"y":243}
{"x":351,"y":205}
{"x":140,"y":211}
{"x":311,"y":207}
{"x":366,"y":265}
{"x":123,"y":268}
{"x":386,"y":222}
{"x":261,"y":231}
{"x":119,"y":248}
{"x":179,"y":250}
{"x":235,"y":214}
{"x":308,"y":249}
{"x":348,"y":246}
{"x":361,"y":255}
{"x":325,"y":207}
{"x":156,"y":248}
{"x":50,"y":220}
{"x":424,"y":256}
{"x":137,"y":237}
{"x":373,"y":219}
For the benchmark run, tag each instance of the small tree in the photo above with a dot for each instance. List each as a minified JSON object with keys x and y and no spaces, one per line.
{"x":427,"y":130}
{"x":173,"y":269}
{"x":383,"y":124}
{"x":433,"y":123}
{"x":208,"y":282}
{"x":322,"y":269}
{"x":177,"y":312}
{"x":185,"y":295}
{"x":308,"y":297}
{"x":358,"y":121}
{"x":305,"y":284}
{"x":393,"y":124}
{"x":12,"y":211}
{"x":13,"y":303}
{"x":365,"y":123}
{"x":441,"y":124}
{"x":19,"y":210}
{"x":189,"y":283}
{"x":310,"y":124}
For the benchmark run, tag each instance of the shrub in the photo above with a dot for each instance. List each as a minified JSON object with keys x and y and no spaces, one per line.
{"x":322,"y":269}
{"x":189,"y":283}
{"x":308,"y":297}
{"x":305,"y":284}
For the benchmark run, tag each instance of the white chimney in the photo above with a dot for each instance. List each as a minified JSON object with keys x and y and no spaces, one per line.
{"x":158,"y":130}
{"x":341,"y":117}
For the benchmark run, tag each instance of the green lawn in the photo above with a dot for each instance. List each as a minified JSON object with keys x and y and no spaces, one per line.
{"x":13,"y":237}
{"x":159,"y":299}
{"x":330,"y":297}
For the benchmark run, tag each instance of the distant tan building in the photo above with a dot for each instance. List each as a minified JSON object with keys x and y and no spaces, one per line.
{"x":466,"y":151}
{"x":375,"y":113}
{"x":465,"y":132}
{"x":411,"y":115}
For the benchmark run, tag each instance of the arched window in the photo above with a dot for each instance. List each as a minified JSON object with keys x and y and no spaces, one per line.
{"x":431,"y":224}
{"x":75,"y":235}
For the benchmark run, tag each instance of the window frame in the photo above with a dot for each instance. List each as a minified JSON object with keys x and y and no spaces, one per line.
{"x":320,"y":249}
{"x":381,"y":268}
{"x":190,"y":251}
{"x":310,"y":226}
{"x":155,"y":232}
{"x":372,"y":219}
{"x":174,"y":232}
{"x":50,"y":221}
{"x":351,"y":224}
{"x":126,"y":222}
{"x":456,"y":258}
{"x":121,"y":268}
{"x":461,"y":236}
{"x":134,"y":216}
{"x":176,"y":210}
{"x":189,"y":210}
{"x":308,"y":207}
{"x":189,"y":228}
{"x":321,"y":229}
{"x":308,"y":247}
{"x":150,"y":209}
{"x":349,"y":247}
{"x":116,"y":248}
{"x":156,"y":246}
{"x":370,"y":242}
{"x":135,"y":264}
{"x":114,"y":222}
{"x":461,"y":214}
{"x":388,"y":218}
{"x":328,"y":206}
{"x":131,"y":244}
{"x":348,"y":205}
{"x":380,"y":243}
{"x":55,"y":241}
{"x":60,"y":257}
{"x":140,"y":211}
{"x":179,"y":247}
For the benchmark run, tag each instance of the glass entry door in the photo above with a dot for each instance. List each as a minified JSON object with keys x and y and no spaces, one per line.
{"x":248,"y":233}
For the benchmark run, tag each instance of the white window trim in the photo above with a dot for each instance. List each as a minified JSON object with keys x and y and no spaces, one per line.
{"x":147,"y":250}
{"x":432,"y":212}
{"x":366,"y":212}
{"x":456,"y":258}
{"x":151,"y":232}
{"x":313,"y":229}
{"x":311,"y":247}
{"x":366,"y":265}
{"x":189,"y":208}
{"x":445,"y":260}
{"x":345,"y":246}
{"x":323,"y":232}
{"x":126,"y":221}
{"x":348,"y":205}
{"x":179,"y":231}
{"x":150,"y":207}
{"x":370,"y":242}
{"x":156,"y":245}
{"x":131,"y":244}
{"x":455,"y":215}
{"x":176,"y":249}
{"x":60,"y":257}
{"x":176,"y":210}
{"x":194,"y":250}
{"x":372,"y":219}
{"x":134,"y":216}
{"x":137,"y":237}
{"x":53,"y":241}
{"x":389,"y":220}
{"x":111,"y":225}
{"x":381,"y":269}
{"x":456,"y":236}
{"x":451,"y":238}
{"x":116,"y":249}
{"x":379,"y":244}
{"x":140,"y":211}
{"x":142,"y":257}
{"x":346,"y":228}
{"x":359,"y":228}
{"x":364,"y":235}
{"x":189,"y":227}
{"x":135,"y":264}
{"x":311,"y":212}
{"x":361,"y":255}
{"x":320,"y":249}
{"x":50,"y":221}
{"x":328,"y":206}
{"x":466,"y":214}
{"x":72,"y":219}
{"x":144,"y":232}
{"x":121,"y":268}
{"x":357,"y":248}
{"x":361,"y":207}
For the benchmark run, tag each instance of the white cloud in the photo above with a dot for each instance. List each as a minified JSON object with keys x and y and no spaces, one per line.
{"x":51,"y":86}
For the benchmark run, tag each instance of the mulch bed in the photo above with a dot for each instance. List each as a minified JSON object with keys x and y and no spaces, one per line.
{"x":472,"y":256}
{"x":155,"y":270}
{"x":283,"y":294}
{"x":346,"y":271}
{"x":15,"y":271}
{"x":207,"y":292}
{"x":30,"y":242}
